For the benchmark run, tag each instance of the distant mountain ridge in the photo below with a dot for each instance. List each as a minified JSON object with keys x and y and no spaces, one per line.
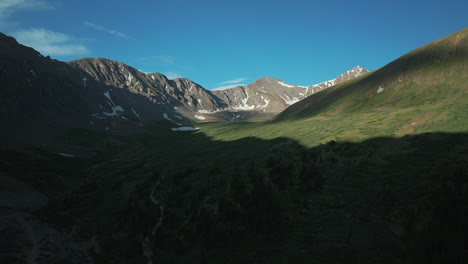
{"x":179,"y":96}
{"x":96,"y":93}
{"x":271,"y":96}
{"x":261,"y":99}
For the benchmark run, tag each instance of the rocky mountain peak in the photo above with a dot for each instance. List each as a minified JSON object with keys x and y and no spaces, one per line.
{"x":353,"y":73}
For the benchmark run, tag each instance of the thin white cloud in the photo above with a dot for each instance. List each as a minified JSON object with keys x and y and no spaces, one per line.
{"x":173,"y":75}
{"x":228,"y":86}
{"x":238,"y":80}
{"x":166,"y":59}
{"x":50,"y":42}
{"x":7,"y":7}
{"x":104,"y":29}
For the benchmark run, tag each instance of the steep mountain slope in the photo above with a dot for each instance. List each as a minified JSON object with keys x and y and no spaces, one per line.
{"x":185,"y":97}
{"x":39,"y":94}
{"x":432,"y":76}
{"x":270,"y":96}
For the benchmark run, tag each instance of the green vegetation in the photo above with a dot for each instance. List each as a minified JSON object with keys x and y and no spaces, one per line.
{"x":257,"y":200}
{"x":423,"y":91}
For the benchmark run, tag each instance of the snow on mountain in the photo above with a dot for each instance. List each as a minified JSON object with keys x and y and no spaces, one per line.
{"x":268,"y":96}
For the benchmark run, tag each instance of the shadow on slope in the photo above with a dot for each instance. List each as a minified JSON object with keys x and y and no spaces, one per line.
{"x":384,"y":200}
{"x":40,"y":95}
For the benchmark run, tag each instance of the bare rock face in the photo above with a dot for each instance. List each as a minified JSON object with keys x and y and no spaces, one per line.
{"x":179,"y":97}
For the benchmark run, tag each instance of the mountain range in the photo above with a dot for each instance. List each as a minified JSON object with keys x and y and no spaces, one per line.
{"x":101,"y":94}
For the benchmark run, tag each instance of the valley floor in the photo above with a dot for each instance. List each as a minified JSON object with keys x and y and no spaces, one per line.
{"x":245,"y":193}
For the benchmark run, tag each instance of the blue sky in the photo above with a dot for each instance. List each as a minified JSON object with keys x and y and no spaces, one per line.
{"x":222,"y":43}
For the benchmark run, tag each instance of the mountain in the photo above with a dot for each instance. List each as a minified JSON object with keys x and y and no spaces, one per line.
{"x":181,"y":96}
{"x":41,"y":96}
{"x":100,"y":94}
{"x":268,"y":96}
{"x":259,"y":100}
{"x":432,"y":79}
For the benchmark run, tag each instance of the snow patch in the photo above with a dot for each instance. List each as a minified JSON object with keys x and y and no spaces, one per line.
{"x":92,"y":123}
{"x":200,"y":117}
{"x":167,"y":118}
{"x":96,"y":116}
{"x":205,"y":111}
{"x":266,"y":101}
{"x":184,"y":129}
{"x":285,"y":84}
{"x":327,"y":84}
{"x":244,"y":105}
{"x":107,"y":94}
{"x":381,"y":89}
{"x":114,"y":107}
{"x":115,"y":110}
{"x":133,"y":110}
{"x":66,"y":155}
{"x":129,"y":79}
{"x":290,"y":101}
{"x":84,"y":81}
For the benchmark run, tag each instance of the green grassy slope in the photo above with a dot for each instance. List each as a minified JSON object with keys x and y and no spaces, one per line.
{"x":425,"y":90}
{"x":435,"y":74}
